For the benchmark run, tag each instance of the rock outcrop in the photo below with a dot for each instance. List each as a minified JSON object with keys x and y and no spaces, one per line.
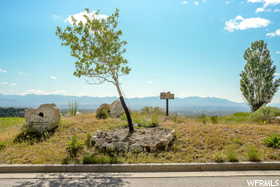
{"x":142,"y":140}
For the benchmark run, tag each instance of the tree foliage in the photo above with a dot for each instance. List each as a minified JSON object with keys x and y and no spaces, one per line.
{"x":258,"y":83}
{"x":95,"y":41}
{"x":97,"y":46}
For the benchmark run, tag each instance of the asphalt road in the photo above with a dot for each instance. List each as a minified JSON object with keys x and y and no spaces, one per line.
{"x":193,"y":179}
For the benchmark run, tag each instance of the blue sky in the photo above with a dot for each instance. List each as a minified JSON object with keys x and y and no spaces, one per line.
{"x":192,"y":47}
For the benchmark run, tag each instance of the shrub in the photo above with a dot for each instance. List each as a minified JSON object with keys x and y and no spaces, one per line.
{"x":152,"y":110}
{"x":237,"y":141}
{"x":74,"y":146}
{"x":73,"y":108}
{"x":253,"y":154}
{"x":2,"y":145}
{"x":219,"y":157}
{"x":98,"y":159}
{"x":66,"y":160}
{"x":272,"y":141}
{"x":103,"y":111}
{"x":265,"y":114}
{"x":154,"y":120}
{"x":232,"y":156}
{"x":88,"y":142}
{"x":32,"y":137}
{"x":214,"y":119}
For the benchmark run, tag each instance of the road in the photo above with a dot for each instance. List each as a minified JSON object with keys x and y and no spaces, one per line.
{"x":174,"y":179}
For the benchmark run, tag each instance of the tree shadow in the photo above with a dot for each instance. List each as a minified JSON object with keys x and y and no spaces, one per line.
{"x":75,"y":180}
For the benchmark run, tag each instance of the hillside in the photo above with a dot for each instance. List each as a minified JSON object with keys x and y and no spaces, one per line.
{"x":197,"y":140}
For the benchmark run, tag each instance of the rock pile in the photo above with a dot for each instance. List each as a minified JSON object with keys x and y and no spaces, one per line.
{"x":142,"y":140}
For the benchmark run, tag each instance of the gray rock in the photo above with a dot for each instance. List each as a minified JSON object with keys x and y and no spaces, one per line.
{"x":44,"y":118}
{"x":148,"y":140}
{"x":116,"y":109}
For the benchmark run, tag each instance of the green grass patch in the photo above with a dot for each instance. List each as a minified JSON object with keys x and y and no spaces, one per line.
{"x":9,"y":122}
{"x":272,"y":141}
{"x":253,"y":154}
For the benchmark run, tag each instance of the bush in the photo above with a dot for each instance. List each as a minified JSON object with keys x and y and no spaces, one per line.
{"x":2,"y":145}
{"x":237,"y":141}
{"x":103,"y":111}
{"x":74,"y":146}
{"x":146,"y":121}
{"x":219,"y":157}
{"x":152,"y":110}
{"x":73,"y":108}
{"x":154,"y":120}
{"x":214,"y":119}
{"x":265,"y":114}
{"x":272,"y":141}
{"x":232,"y":156}
{"x":98,"y":159}
{"x":88,"y":142}
{"x":253,"y":154}
{"x":32,"y":137}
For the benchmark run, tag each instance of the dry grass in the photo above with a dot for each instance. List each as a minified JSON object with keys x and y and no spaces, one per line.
{"x":196,"y":142}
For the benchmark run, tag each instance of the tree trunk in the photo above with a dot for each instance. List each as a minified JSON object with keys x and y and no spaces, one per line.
{"x":255,"y":107}
{"x":127,"y":113}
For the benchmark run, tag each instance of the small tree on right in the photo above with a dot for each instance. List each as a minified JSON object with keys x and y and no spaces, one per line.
{"x":258,"y":83}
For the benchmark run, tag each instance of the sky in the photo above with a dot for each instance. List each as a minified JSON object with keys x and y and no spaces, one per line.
{"x":188,"y":47}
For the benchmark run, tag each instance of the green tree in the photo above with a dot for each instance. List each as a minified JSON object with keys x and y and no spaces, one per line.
{"x":258,"y":83}
{"x":96,"y":44}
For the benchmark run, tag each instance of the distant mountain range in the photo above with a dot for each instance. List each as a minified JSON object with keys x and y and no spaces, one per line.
{"x":187,"y":105}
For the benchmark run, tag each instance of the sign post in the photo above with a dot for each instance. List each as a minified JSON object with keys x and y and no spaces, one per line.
{"x":167,"y":96}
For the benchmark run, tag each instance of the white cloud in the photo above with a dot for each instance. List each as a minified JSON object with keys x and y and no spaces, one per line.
{"x":227,"y":2}
{"x":4,"y":83}
{"x":149,"y":82}
{"x":53,"y":77}
{"x":7,"y":84}
{"x":42,"y":92}
{"x":184,"y":2}
{"x":271,"y":2}
{"x":80,"y":17}
{"x":260,"y":10}
{"x":266,"y":3}
{"x":274,"y":34}
{"x":196,"y":3}
{"x":3,"y":71}
{"x":240,"y":23}
{"x":278,"y":52}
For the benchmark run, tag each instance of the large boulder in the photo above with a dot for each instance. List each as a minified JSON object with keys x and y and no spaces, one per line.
{"x":142,"y":140}
{"x":103,"y":111}
{"x":116,"y":109}
{"x":45,"y":118}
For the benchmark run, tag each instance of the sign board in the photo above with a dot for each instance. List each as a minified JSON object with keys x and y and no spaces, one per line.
{"x":166,"y":95}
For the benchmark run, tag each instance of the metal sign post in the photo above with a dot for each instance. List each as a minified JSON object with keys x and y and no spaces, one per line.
{"x":167,"y":96}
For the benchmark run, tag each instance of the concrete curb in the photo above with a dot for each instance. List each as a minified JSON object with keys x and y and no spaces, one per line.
{"x":153,"y":167}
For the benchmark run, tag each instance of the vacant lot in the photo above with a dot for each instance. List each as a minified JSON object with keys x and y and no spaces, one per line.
{"x":197,"y":140}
